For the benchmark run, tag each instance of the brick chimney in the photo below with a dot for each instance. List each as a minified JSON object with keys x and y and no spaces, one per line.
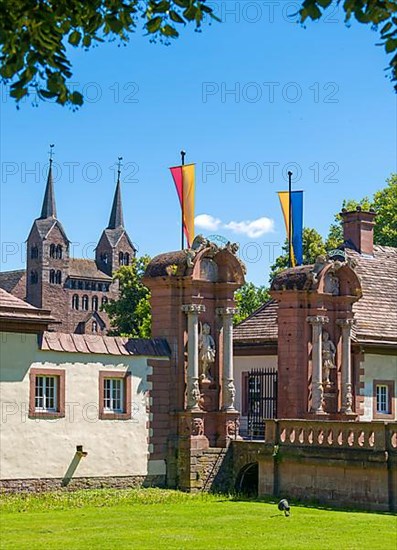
{"x":358,"y":229}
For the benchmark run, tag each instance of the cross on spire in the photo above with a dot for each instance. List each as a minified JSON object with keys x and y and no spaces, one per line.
{"x":51,"y":152}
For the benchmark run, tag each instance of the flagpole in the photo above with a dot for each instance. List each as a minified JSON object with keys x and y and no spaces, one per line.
{"x":183,"y":153}
{"x":290,"y":219}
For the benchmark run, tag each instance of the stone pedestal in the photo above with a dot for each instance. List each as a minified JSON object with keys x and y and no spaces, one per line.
{"x":191,"y":430}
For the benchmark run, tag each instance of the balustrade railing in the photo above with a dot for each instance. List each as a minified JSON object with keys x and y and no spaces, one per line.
{"x":333,"y":434}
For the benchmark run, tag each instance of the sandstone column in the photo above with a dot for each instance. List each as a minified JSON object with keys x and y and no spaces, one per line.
{"x":193,"y":389}
{"x":347,"y":396}
{"x":317,"y":322}
{"x":228,"y":389}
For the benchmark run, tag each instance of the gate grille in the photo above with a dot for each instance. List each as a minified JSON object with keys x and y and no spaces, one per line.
{"x":262,"y":400}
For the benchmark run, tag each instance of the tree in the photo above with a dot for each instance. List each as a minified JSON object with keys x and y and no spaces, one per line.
{"x":377,"y":13}
{"x":34,"y":35}
{"x":248,"y":298}
{"x":130,"y":315}
{"x":385,"y":205}
{"x":313,"y":246}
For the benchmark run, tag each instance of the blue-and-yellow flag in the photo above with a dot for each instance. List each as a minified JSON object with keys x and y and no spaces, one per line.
{"x":296,"y":242}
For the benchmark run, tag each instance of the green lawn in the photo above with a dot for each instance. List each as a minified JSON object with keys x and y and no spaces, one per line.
{"x":155,"y":519}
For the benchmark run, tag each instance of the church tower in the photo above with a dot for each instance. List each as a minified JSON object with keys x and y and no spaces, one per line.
{"x":47,"y":255}
{"x":115,"y":248}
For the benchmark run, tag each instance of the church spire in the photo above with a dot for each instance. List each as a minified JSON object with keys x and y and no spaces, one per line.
{"x":49,"y":209}
{"x":116,"y":215}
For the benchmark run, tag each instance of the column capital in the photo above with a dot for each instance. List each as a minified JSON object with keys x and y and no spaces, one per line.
{"x":346,"y":322}
{"x":317,"y":319}
{"x":193,"y":308}
{"x":224,"y":311}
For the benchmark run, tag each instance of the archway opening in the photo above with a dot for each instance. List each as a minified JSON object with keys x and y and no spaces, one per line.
{"x":247,"y":480}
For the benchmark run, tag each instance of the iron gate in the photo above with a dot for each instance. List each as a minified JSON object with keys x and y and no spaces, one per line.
{"x":262,"y":400}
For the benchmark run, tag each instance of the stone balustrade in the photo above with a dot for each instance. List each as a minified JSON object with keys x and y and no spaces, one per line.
{"x":333,"y":434}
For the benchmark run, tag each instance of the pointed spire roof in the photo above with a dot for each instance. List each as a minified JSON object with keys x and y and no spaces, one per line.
{"x":116,"y":216}
{"x":49,"y":209}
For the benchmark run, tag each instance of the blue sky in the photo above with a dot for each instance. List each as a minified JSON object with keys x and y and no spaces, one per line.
{"x":245,"y":99}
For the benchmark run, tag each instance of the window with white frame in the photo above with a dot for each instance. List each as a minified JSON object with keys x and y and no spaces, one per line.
{"x":113,"y":395}
{"x":382,"y":399}
{"x":46,"y":398}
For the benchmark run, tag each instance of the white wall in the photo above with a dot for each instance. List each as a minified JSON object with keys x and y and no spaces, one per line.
{"x":245,"y":364}
{"x":376,"y":367}
{"x":32,"y":448}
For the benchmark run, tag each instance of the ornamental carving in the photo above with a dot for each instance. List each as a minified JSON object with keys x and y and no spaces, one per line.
{"x":197,"y":426}
{"x":232,"y":428}
{"x":229,"y":392}
{"x":194,"y":396}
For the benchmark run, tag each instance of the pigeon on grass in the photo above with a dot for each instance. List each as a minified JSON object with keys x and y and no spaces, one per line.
{"x":283,"y":506}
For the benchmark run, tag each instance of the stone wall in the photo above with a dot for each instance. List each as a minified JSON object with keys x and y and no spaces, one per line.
{"x":52,"y":484}
{"x":333,"y":463}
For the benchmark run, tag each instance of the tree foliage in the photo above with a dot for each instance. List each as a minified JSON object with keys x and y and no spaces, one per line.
{"x":385,"y":205}
{"x":313,"y":246}
{"x":248,"y":299}
{"x":35,"y":34}
{"x":130,"y":315}
{"x":380,"y":14}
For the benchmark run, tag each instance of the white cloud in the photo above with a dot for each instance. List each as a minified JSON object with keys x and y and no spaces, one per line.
{"x":251,"y":228}
{"x":205,"y":221}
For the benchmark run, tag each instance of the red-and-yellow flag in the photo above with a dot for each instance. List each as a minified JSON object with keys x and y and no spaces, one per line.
{"x":184,"y":179}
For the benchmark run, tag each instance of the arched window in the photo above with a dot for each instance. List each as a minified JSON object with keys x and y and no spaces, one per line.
{"x":95,"y":303}
{"x":58,"y":252}
{"x":105,"y":257}
{"x":52,"y":251}
{"x":126,"y":258}
{"x":58,"y":277}
{"x":34,"y":278}
{"x":94,"y":327}
{"x":84,"y":302}
{"x":34,"y":252}
{"x":75,"y":301}
{"x":52,"y":276}
{"x":104,"y":300}
{"x":121,"y":258}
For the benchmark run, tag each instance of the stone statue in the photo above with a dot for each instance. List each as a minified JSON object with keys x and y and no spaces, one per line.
{"x":331,"y":284}
{"x":207,"y":352}
{"x":328,"y":357}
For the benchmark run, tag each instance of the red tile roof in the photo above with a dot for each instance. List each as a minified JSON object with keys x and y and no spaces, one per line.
{"x":103,"y":345}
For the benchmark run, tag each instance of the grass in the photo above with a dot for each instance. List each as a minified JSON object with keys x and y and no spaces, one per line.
{"x":160,"y":519}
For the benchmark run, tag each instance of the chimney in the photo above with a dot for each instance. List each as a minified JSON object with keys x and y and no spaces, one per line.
{"x":358,"y":230}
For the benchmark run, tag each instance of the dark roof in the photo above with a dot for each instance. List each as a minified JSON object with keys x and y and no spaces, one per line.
{"x":260,"y":326}
{"x":10,"y":279}
{"x":44,"y":226}
{"x":104,"y":345}
{"x":116,"y":215}
{"x":159,"y":264}
{"x":48,"y":209}
{"x":13,"y":309}
{"x":114,"y":236}
{"x":375,"y":312}
{"x":80,"y":268}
